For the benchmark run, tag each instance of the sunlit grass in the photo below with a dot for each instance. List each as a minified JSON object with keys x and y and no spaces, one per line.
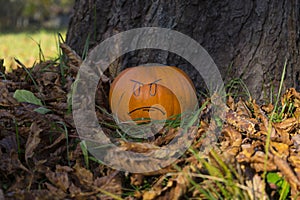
{"x":25,"y":46}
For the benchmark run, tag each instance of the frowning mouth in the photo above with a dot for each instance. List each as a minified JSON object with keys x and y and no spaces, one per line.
{"x":147,"y":109}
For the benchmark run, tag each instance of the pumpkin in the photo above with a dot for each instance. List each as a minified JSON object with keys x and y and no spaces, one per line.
{"x":151,"y":92}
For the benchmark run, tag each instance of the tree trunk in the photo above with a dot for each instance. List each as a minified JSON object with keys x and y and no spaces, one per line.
{"x":250,"y":40}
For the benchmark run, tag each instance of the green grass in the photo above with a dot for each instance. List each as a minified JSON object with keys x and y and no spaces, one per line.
{"x":27,"y":46}
{"x":222,"y":181}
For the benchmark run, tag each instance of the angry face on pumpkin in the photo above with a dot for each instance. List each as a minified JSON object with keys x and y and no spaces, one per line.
{"x":152,"y":92}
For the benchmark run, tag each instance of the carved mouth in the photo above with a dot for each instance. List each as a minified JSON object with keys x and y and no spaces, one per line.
{"x":147,"y":109}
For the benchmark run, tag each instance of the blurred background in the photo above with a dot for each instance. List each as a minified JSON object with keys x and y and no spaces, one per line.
{"x":29,"y":29}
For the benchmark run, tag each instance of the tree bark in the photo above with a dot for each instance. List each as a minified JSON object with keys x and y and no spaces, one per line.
{"x":250,"y":40}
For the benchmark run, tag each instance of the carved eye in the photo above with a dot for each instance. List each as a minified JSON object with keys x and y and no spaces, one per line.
{"x":153,"y":87}
{"x":137,"y":87}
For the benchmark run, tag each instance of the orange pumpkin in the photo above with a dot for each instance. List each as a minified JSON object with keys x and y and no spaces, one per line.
{"x":155,"y":92}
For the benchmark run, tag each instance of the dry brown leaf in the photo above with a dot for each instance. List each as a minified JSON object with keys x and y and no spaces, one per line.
{"x":33,"y":140}
{"x":260,"y":116}
{"x":246,"y":153}
{"x":291,"y":95}
{"x":295,"y":160}
{"x":75,"y":59}
{"x":158,"y":189}
{"x":5,"y":114}
{"x":202,"y":130}
{"x":279,"y":149}
{"x":19,"y":182}
{"x":11,"y":163}
{"x":297,"y":112}
{"x":59,"y":179}
{"x":182,"y":183}
{"x":111,"y":183}
{"x":259,"y":163}
{"x":233,"y":140}
{"x":84,"y":175}
{"x":56,"y":193}
{"x":288,"y":124}
{"x":240,"y":123}
{"x":74,"y":191}
{"x":60,"y":169}
{"x":297,"y":171}
{"x":230,"y":103}
{"x":267,"y":108}
{"x":166,"y":138}
{"x":256,"y":188}
{"x":38,"y":194}
{"x":296,"y":141}
{"x":138,"y":147}
{"x":168,"y":169}
{"x":242,"y":109}
{"x":290,"y":176}
{"x":48,"y":78}
{"x":6,"y":98}
{"x":149,"y":195}
{"x":282,"y":136}
{"x":209,"y":138}
{"x":136,"y":179}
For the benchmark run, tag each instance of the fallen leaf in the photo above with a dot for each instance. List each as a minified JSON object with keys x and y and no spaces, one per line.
{"x":6,"y":98}
{"x":74,"y":191}
{"x":267,"y":108}
{"x":84,"y":175}
{"x":158,"y":189}
{"x":240,"y":123}
{"x":55,"y":192}
{"x":279,"y":149}
{"x":111,"y":183}
{"x":136,"y":179}
{"x":290,"y":176}
{"x":27,"y":96}
{"x":256,"y":188}
{"x":182,"y":183}
{"x":59,"y":179}
{"x":242,"y":109}
{"x":137,"y":147}
{"x":32,"y":141}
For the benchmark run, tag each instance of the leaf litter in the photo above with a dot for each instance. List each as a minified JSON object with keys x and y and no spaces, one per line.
{"x":41,"y":156}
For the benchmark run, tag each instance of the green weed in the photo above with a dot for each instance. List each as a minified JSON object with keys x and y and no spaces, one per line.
{"x":63,"y":67}
{"x":222,"y":181}
{"x":271,"y":119}
{"x":85,"y":153}
{"x":280,"y":182}
{"x":65,"y":129}
{"x":237,"y":88}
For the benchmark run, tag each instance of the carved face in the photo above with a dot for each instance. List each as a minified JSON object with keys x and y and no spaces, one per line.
{"x":152,"y":101}
{"x":156,"y":92}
